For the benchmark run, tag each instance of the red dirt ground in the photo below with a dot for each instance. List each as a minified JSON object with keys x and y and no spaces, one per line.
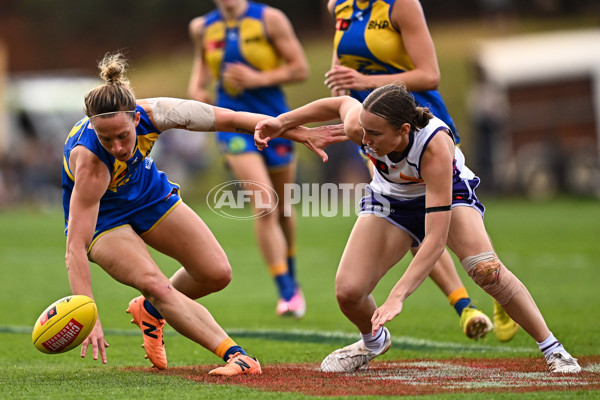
{"x":409,"y":377}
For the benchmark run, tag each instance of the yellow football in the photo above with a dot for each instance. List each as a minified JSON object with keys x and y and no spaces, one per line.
{"x":64,"y":324}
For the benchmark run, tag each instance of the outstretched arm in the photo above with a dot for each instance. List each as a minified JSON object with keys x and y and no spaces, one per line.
{"x":345,"y":108}
{"x":437,"y":173}
{"x":91,"y":180}
{"x":167,"y":113}
{"x":315,"y":139}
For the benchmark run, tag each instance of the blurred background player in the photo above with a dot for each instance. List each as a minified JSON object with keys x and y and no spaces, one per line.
{"x":251,"y":49}
{"x":378,"y":42}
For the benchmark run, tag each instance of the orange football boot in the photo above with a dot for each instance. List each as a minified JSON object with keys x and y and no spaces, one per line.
{"x":152,"y":330}
{"x":238,"y":364}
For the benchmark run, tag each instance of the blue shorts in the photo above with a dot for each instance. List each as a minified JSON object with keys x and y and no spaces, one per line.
{"x":142,"y":219}
{"x":279,"y":153}
{"x":409,"y":215}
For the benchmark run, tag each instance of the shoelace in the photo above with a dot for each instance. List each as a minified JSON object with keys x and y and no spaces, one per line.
{"x":233,"y":357}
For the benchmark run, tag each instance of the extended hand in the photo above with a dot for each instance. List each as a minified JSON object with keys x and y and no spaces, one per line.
{"x":385,"y":313}
{"x":320,"y":137}
{"x":96,"y":339}
{"x":266,"y":130}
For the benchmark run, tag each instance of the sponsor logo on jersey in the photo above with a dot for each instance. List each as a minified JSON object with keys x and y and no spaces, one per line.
{"x":254,"y":39}
{"x":381,"y":24}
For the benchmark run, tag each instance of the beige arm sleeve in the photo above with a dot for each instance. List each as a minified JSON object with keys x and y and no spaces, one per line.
{"x":192,"y":115}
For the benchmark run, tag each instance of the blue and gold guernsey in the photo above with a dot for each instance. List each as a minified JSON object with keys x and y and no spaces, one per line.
{"x":245,"y":40}
{"x":138,"y":195}
{"x":366,"y":41}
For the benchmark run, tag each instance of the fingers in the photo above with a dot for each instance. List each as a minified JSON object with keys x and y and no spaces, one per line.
{"x":377,"y":321}
{"x":264,"y":131}
{"x":332,"y":78}
{"x":232,"y":77}
{"x":339,"y":78}
{"x":260,"y":143}
{"x":339,"y":139}
{"x":84,"y":347}
{"x":98,"y":343}
{"x":375,"y":329}
{"x":317,"y":150}
{"x":95,"y":349}
{"x":103,"y":352}
{"x":99,"y":346}
{"x":336,"y":69}
{"x":323,"y":155}
{"x":338,"y":130}
{"x":337,"y":83}
{"x":387,"y":312}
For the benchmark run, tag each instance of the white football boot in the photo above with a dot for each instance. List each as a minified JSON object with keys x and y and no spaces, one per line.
{"x":353,"y":357}
{"x":561,"y":362}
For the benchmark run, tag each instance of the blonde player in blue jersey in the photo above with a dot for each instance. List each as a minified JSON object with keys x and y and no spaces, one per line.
{"x":250,"y":50}
{"x":116,"y":202}
{"x":378,"y":42}
{"x":422,"y":194}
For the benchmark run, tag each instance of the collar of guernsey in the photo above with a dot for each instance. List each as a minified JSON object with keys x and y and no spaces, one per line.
{"x":130,"y":180}
{"x":402,"y":178}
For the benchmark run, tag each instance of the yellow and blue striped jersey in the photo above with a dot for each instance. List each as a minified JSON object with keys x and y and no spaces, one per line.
{"x":366,"y":40}
{"x":134,"y":183}
{"x":243,"y":40}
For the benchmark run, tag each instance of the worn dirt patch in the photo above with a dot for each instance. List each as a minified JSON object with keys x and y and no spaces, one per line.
{"x":408,"y":377}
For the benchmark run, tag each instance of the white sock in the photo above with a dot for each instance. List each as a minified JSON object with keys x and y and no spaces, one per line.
{"x":550,"y":346}
{"x":374,"y":343}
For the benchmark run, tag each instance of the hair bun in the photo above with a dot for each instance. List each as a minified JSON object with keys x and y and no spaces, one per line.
{"x":112,"y":69}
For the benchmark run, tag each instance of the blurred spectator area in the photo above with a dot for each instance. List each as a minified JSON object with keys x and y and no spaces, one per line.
{"x":41,"y":41}
{"x":536,"y":107}
{"x":58,"y":34}
{"x":40,"y":110}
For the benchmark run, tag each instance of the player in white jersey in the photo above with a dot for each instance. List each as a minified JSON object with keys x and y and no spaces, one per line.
{"x":424,"y":189}
{"x":402,"y":178}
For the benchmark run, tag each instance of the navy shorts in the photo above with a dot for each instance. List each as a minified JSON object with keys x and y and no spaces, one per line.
{"x":409,"y":215}
{"x":142,"y":219}
{"x":279,"y":153}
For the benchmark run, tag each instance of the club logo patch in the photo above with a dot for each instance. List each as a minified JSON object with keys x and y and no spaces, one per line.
{"x":342,"y":24}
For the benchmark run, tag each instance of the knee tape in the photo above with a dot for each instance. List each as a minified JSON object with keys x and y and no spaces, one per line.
{"x":492,"y":276}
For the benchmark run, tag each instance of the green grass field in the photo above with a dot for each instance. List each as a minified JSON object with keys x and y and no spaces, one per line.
{"x":552,"y":247}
